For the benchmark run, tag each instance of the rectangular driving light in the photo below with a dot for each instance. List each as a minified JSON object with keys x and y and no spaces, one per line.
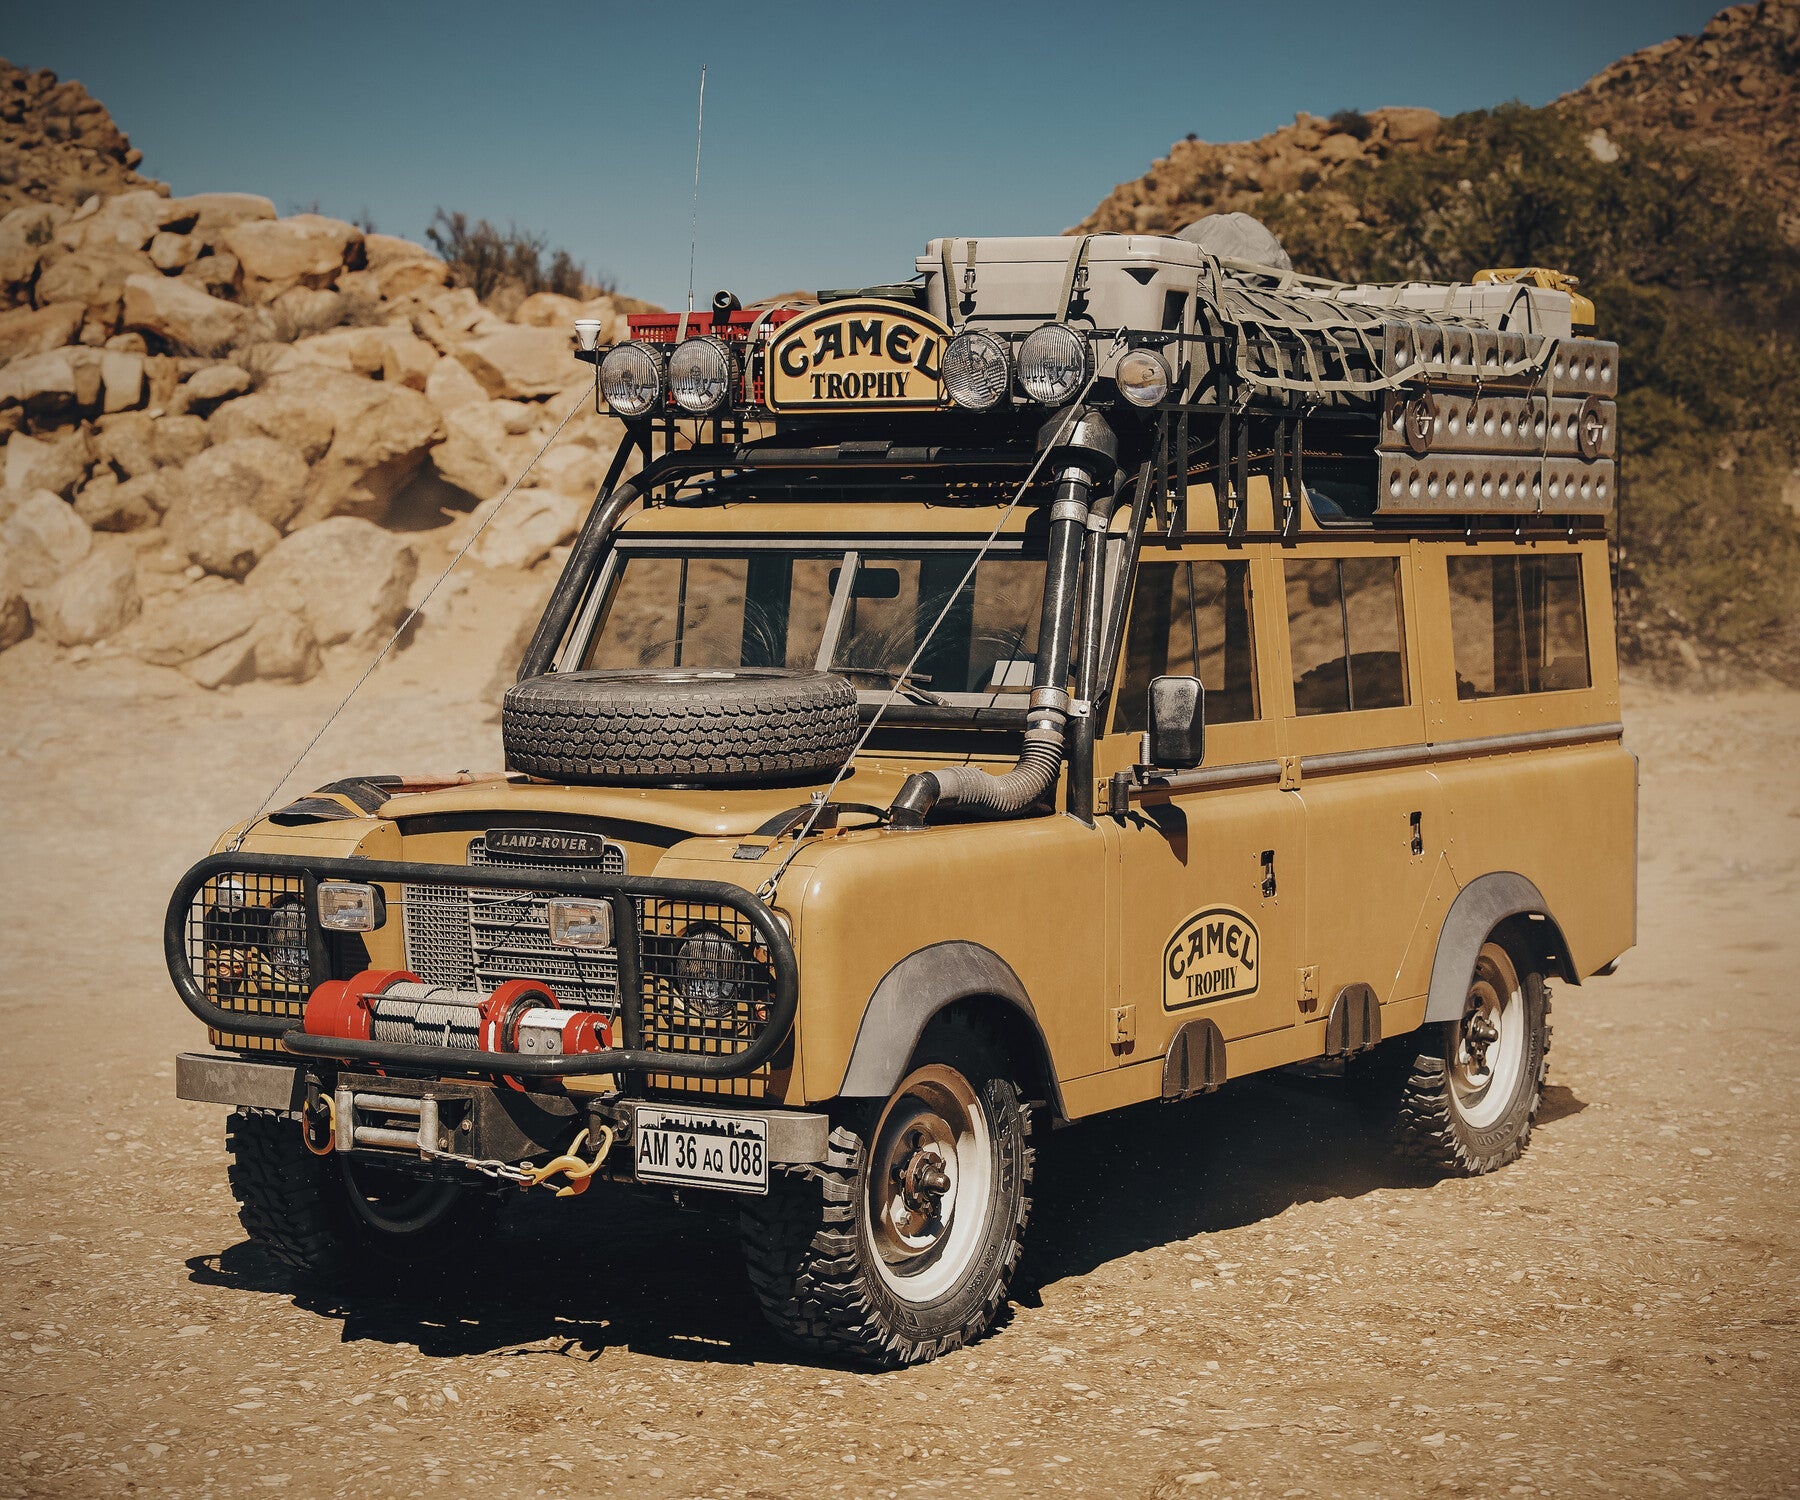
{"x":349,"y":906}
{"x":580,"y":922}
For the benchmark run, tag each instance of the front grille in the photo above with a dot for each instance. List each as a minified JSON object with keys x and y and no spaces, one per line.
{"x":478,"y":939}
{"x":248,"y":954}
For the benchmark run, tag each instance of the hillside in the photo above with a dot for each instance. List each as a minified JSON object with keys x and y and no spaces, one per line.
{"x":235,"y":441}
{"x":1669,"y":184}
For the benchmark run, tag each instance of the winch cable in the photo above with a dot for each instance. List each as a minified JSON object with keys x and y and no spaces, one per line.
{"x":766,"y":891}
{"x":411,"y":615}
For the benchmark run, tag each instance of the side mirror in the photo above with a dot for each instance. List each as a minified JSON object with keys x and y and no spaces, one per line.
{"x":1177,"y":722}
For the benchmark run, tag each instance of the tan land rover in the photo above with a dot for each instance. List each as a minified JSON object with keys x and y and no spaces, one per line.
{"x":1087,"y":673}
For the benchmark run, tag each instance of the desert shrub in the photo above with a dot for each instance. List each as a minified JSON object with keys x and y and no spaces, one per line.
{"x":488,"y":261}
{"x":1352,"y":122}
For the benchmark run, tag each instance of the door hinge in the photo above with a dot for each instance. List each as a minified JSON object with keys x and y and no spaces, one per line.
{"x":1124,"y":1025}
{"x":1309,"y":987}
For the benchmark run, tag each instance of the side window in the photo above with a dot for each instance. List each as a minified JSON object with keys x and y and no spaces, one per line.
{"x":1344,"y":634}
{"x":1190,"y":619}
{"x":1518,"y":625}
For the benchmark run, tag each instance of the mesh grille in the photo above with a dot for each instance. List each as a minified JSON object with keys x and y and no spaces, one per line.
{"x":708,"y":982}
{"x":247,"y":953}
{"x":479,"y":939}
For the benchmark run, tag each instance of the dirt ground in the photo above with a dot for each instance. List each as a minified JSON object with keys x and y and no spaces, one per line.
{"x":1238,"y":1294}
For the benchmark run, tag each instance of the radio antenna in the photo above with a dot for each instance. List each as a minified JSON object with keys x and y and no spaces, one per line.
{"x":694,"y":221}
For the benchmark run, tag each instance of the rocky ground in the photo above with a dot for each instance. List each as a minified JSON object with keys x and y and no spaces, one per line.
{"x":1237,"y":1295}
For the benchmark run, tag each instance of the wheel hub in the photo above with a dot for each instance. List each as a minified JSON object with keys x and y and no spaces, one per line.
{"x":1490,"y":1043}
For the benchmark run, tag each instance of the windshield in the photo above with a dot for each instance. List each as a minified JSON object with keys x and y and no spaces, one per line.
{"x":862,"y":613}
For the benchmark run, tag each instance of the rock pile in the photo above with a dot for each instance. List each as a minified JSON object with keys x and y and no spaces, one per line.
{"x":220,"y":424}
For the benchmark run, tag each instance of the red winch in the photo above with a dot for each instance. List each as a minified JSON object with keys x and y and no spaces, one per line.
{"x":393,"y":1005}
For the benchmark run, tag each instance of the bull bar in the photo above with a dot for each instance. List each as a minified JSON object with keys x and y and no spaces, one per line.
{"x":625,"y":894}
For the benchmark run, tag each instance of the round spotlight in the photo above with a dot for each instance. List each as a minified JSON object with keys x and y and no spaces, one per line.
{"x":1053,"y":363}
{"x":1143,"y":377}
{"x":631,"y":379}
{"x":700,"y":375}
{"x":977,"y":372}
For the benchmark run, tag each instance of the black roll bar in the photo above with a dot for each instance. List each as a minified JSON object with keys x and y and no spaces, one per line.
{"x":621,"y":890}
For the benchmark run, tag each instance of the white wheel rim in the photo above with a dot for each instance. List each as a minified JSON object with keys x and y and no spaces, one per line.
{"x":929,"y":1185}
{"x":1490,"y":1041}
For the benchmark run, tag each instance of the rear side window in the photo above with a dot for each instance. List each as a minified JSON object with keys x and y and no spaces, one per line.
{"x":1518,"y":625}
{"x":1190,"y":619}
{"x":1344,"y":634}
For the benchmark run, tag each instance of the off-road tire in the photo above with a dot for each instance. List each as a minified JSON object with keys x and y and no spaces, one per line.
{"x":808,"y":1250}
{"x":741,"y":726}
{"x":297,"y":1207}
{"x":1404,"y":1087}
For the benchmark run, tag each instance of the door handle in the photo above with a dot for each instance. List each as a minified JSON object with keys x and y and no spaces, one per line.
{"x":1418,"y":834}
{"x":1268,"y":874}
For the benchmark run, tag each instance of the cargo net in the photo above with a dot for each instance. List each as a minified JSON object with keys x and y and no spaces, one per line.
{"x":708,"y":984}
{"x":247,"y":943}
{"x":1310,"y":343}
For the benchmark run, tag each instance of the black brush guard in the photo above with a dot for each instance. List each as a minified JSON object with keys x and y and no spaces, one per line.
{"x":634,"y":900}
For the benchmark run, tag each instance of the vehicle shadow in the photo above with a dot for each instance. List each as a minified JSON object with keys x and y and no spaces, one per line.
{"x":623,"y":1269}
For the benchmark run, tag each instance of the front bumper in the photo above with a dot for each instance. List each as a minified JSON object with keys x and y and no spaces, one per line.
{"x":476,"y":1119}
{"x":204,"y":939}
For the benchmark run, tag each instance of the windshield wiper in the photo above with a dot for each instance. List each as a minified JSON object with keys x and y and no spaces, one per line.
{"x":892,"y":678}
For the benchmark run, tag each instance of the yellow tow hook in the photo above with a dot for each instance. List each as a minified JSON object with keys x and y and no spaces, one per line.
{"x":570,"y":1165}
{"x":309,"y":1122}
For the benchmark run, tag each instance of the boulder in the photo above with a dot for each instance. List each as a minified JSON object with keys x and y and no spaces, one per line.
{"x":302,"y":311}
{"x":233,"y":662}
{"x":359,"y":351}
{"x":170,"y":252}
{"x":450,"y":385}
{"x":463,"y":460}
{"x":256,"y":473}
{"x":526,"y":528}
{"x":37,"y":330}
{"x":228,"y":541}
{"x":406,"y":359}
{"x":107,"y":503}
{"x":401,"y":277}
{"x":15,"y":616}
{"x":297,"y":406}
{"x":26,"y":234}
{"x":346,"y":578}
{"x":176,"y":439}
{"x":284,"y":648}
{"x":1404,"y":126}
{"x":214,"y":213}
{"x":94,"y":600}
{"x":44,"y":538}
{"x":214,"y":273}
{"x":126,"y":221}
{"x":124,"y":441}
{"x":56,"y":464}
{"x":127,"y":343}
{"x":548,"y":310}
{"x":177,"y":628}
{"x":181,"y":314}
{"x":90,"y":376}
{"x":571,"y":470}
{"x":385,"y":249}
{"x":44,"y":384}
{"x":122,"y":380}
{"x":308,"y":249}
{"x":447,"y":318}
{"x":376,"y":445}
{"x":205,"y":389}
{"x":95,"y":278}
{"x":521,"y":363}
{"x":162,"y":373}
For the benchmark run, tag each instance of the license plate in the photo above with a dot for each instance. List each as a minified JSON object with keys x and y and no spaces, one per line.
{"x":702,"y":1148}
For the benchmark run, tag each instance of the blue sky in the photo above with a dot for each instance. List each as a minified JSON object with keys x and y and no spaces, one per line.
{"x":839,"y":137}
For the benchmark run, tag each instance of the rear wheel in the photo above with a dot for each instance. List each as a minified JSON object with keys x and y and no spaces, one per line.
{"x":901,"y":1245}
{"x":334,"y":1218}
{"x":1461,"y":1096}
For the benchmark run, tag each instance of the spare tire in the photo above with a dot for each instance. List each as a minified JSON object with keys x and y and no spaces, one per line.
{"x":737,"y":726}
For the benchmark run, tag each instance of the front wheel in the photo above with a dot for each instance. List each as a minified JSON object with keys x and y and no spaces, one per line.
{"x":901,"y":1245}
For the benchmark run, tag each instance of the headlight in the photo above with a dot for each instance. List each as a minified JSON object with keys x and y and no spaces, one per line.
{"x":1143,"y":377}
{"x":709,"y":971}
{"x":700,"y":375}
{"x":286,"y":951}
{"x":631,"y":379}
{"x":580,"y":922}
{"x":348,"y":906}
{"x":977,"y":372}
{"x":1053,"y":363}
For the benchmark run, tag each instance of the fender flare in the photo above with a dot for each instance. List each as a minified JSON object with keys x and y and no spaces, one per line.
{"x":916,"y":989}
{"x":1481,"y":906}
